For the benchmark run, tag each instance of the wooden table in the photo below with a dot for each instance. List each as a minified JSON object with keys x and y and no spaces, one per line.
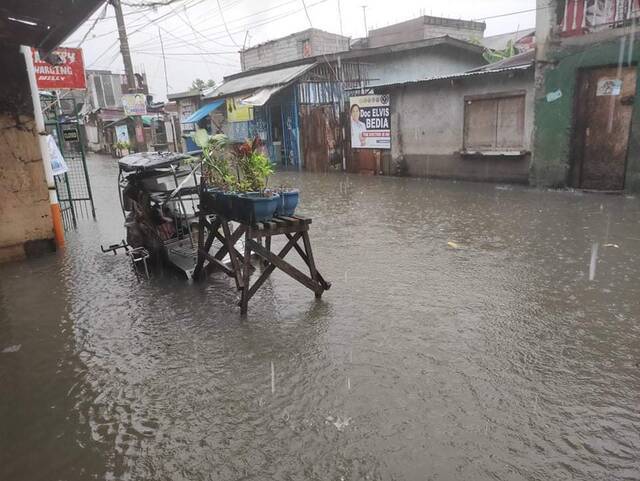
{"x":293,"y":228}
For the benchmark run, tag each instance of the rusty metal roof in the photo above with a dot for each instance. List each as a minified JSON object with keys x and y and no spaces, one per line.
{"x":260,"y":80}
{"x":43,"y":24}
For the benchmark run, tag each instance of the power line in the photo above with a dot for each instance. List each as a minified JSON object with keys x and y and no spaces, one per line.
{"x":225,"y":24}
{"x":306,"y":12}
{"x":93,"y":25}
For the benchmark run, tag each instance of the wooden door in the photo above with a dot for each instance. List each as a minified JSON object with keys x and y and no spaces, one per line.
{"x":604,"y":106}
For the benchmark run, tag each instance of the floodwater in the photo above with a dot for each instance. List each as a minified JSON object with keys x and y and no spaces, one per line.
{"x":473,"y":332}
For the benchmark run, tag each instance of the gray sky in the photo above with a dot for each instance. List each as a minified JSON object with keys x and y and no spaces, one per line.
{"x":197,"y":43}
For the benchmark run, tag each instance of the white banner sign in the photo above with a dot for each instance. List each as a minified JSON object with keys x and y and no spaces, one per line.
{"x":370,"y":122}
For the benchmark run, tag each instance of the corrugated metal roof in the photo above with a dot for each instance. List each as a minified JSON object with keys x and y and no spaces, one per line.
{"x":472,"y":73}
{"x":260,"y":80}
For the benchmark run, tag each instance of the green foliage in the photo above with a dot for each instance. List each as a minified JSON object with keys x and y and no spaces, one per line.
{"x":492,"y":56}
{"x":123,"y":145}
{"x":200,"y":84}
{"x":256,"y":169}
{"x":216,"y":163}
{"x":241,"y":168}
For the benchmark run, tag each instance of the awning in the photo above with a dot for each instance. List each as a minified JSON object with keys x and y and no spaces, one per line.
{"x":261,"y":97}
{"x":202,"y":112}
{"x":247,"y":82}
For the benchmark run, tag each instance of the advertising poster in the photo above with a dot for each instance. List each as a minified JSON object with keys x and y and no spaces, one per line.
{"x":68,"y":73}
{"x":237,"y":112}
{"x":134,"y":104}
{"x":122,"y":133}
{"x":370,"y":122}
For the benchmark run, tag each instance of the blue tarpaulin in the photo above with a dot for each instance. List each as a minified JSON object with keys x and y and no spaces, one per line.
{"x":202,"y":112}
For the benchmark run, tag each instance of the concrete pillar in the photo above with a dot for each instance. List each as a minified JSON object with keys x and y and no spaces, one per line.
{"x":26,"y":226}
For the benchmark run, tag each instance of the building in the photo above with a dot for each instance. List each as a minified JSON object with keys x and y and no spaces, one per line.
{"x":297,"y":107}
{"x":300,"y":45}
{"x":423,"y":28}
{"x":193,"y":114}
{"x":474,"y":125}
{"x":26,"y":182}
{"x":102,"y":105}
{"x":587,"y":123}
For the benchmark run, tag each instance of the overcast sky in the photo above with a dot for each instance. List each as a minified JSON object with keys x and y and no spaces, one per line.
{"x":197,"y":44}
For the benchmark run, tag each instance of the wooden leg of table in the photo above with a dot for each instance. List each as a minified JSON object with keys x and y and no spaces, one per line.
{"x":287,"y":268}
{"x":232,"y":255}
{"x":200,"y":262}
{"x":271,"y":267}
{"x":267,"y":245}
{"x":246,"y":271}
{"x":326,"y":285}
{"x":310,"y":262}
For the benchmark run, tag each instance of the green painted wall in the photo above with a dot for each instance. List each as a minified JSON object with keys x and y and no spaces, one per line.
{"x":554,"y":120}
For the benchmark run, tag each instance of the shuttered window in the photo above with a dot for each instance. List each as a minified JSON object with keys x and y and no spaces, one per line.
{"x":494,"y":122}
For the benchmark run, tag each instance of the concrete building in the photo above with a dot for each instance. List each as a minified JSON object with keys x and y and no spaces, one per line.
{"x":475,"y":125}
{"x":26,"y":215}
{"x":417,"y":60}
{"x":300,"y":45}
{"x":297,"y":107}
{"x":587,"y":126}
{"x":425,"y":27}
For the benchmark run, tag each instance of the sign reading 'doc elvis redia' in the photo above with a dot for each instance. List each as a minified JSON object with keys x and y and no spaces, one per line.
{"x":370,"y":122}
{"x":67,"y":74}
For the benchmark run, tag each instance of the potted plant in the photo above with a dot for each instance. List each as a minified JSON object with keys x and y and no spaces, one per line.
{"x":255,"y":202}
{"x":217,"y":173}
{"x":288,"y":201}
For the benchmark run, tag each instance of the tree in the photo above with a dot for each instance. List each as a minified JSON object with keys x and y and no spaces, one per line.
{"x":201,"y":84}
{"x":492,"y":56}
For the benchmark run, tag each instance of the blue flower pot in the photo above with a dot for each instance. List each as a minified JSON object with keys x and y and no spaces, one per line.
{"x":288,"y":202}
{"x":251,"y":208}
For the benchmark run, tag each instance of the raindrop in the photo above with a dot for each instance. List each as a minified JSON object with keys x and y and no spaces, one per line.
{"x":273,"y":378}
{"x":594,"y":259}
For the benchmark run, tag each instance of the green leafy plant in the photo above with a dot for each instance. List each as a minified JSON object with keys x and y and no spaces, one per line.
{"x":216,"y":159}
{"x":492,"y":56}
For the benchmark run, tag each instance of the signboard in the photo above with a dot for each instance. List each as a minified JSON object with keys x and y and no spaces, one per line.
{"x":608,"y":87}
{"x":68,"y":74}
{"x":70,"y":134}
{"x":237,"y":112}
{"x":134,"y":104}
{"x":370,"y":122}
{"x":58,"y":164}
{"x":122,"y":133}
{"x":139,"y":134}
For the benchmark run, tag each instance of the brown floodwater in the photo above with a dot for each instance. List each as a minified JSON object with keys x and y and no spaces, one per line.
{"x":473,"y":332}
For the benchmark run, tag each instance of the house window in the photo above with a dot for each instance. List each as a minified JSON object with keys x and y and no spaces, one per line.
{"x":494,"y":122}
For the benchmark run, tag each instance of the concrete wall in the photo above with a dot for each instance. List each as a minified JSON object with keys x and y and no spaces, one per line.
{"x":25,"y":215}
{"x":558,"y":72}
{"x":428,"y":128}
{"x":291,"y":48}
{"x":425,"y":27}
{"x":420,"y":64}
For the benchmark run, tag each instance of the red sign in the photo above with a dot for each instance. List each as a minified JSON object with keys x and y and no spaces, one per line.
{"x":68,"y":74}
{"x":139,"y":134}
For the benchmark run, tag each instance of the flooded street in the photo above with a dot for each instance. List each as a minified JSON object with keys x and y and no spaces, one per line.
{"x":462,"y":339}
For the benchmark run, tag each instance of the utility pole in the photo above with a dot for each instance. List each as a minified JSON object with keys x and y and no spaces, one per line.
{"x":364,"y":16}
{"x":128,"y":69}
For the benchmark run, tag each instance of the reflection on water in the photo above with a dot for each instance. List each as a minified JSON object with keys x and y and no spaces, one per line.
{"x":462,"y":339}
